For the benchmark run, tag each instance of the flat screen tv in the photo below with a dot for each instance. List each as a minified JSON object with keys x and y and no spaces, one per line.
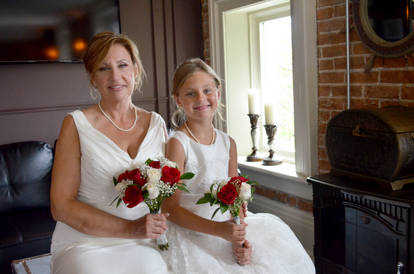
{"x":53,"y":30}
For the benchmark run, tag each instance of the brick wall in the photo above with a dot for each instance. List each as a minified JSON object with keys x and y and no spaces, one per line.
{"x":389,"y":82}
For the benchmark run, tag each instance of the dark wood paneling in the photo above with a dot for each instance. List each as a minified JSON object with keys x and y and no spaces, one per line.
{"x":34,"y":98}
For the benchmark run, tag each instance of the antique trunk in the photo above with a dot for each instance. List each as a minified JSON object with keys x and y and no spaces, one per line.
{"x":373,"y":145}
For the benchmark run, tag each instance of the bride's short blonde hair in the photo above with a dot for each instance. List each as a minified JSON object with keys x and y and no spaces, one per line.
{"x":98,"y":49}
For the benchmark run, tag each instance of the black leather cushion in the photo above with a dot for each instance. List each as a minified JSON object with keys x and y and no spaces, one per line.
{"x":25,"y":170}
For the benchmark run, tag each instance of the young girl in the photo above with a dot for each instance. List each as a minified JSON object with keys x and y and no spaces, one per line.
{"x":262,"y":243}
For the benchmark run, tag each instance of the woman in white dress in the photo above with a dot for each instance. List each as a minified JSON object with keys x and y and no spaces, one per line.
{"x":94,"y":145}
{"x":262,"y":243}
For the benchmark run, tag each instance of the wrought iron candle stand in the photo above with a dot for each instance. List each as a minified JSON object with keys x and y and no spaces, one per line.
{"x":270,"y":160}
{"x":253,"y":124}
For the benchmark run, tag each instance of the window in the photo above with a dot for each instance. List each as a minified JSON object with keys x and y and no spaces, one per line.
{"x":246,"y":50}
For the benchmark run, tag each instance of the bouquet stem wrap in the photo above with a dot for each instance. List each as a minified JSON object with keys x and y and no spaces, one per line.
{"x":162,"y":241}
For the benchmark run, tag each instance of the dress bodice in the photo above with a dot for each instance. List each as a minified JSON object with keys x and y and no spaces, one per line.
{"x":101,"y":160}
{"x":209,"y":163}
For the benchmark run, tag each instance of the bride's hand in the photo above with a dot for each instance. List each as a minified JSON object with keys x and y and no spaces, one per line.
{"x":243,"y":253}
{"x":233,"y":233}
{"x":151,"y":226}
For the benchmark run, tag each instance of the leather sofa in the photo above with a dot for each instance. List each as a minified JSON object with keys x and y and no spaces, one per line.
{"x":26,"y":224}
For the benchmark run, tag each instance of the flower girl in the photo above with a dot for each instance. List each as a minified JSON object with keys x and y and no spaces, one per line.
{"x":261,"y":243}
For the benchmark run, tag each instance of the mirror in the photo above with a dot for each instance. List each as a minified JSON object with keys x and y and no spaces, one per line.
{"x":385,"y":26}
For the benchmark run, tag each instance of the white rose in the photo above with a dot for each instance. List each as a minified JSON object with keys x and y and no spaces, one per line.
{"x":154,"y":175}
{"x":245,"y":192}
{"x":121,"y":186}
{"x":169,"y":163}
{"x":153,"y":191}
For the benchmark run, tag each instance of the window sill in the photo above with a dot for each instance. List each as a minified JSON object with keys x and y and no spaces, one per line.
{"x":285,"y":170}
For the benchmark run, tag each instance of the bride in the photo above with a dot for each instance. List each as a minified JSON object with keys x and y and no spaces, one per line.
{"x":94,"y":145}
{"x":262,"y":243}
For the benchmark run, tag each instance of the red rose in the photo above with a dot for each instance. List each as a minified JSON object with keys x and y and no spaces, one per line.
{"x":136,"y":177}
{"x":123,"y":176}
{"x":133,"y":196}
{"x":133,"y":175}
{"x":170,"y":175}
{"x":238,"y":180}
{"x":155,"y":164}
{"x":227,"y":194}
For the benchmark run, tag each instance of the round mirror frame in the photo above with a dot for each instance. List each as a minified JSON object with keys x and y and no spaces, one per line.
{"x":372,"y":40}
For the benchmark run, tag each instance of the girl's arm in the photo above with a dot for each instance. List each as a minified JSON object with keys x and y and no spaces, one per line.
{"x":233,"y":172}
{"x":65,"y":206}
{"x":185,"y":218}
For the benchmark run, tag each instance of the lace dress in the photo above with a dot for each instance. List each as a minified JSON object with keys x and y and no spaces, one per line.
{"x":101,"y":159}
{"x":275,"y":247}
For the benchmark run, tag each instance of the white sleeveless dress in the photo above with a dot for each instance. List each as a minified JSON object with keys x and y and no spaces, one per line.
{"x":275,"y":247}
{"x":101,"y":159}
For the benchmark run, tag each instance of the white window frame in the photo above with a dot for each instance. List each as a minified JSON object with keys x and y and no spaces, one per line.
{"x":303,"y":14}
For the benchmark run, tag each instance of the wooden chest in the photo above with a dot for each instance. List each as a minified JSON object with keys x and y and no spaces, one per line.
{"x":373,"y":145}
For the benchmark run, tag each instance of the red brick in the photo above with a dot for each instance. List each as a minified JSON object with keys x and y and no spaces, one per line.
{"x":326,"y":64}
{"x":322,"y":128}
{"x":364,"y":103}
{"x":324,"y":3}
{"x":364,"y":77}
{"x":360,"y":48}
{"x":356,"y":90}
{"x":333,"y":51}
{"x":324,"y":90}
{"x":281,"y":197}
{"x":353,"y":35}
{"x":324,"y":166}
{"x":332,"y":103}
{"x":407,"y":103}
{"x":322,"y":154}
{"x":381,"y":91}
{"x":265,"y":192}
{"x":397,"y":76}
{"x":324,"y":13}
{"x":340,"y":10}
{"x":355,"y":62}
{"x":331,"y":77}
{"x":291,"y":200}
{"x":331,"y":38}
{"x":387,"y":103}
{"x":305,"y":205}
{"x":407,"y":93}
{"x":324,"y":115}
{"x":390,"y":62}
{"x":335,"y":24}
{"x":321,"y":139}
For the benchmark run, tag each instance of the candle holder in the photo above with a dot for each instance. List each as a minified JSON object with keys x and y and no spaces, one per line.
{"x":253,"y":124}
{"x":271,"y":132}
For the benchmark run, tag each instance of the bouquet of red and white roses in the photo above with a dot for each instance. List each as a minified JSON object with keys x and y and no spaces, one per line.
{"x":150,"y":182}
{"x":229,"y":195}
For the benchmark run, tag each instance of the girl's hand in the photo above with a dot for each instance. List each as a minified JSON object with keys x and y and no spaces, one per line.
{"x":243,"y":253}
{"x":150,"y":226}
{"x":232,"y":232}
{"x":244,"y":209}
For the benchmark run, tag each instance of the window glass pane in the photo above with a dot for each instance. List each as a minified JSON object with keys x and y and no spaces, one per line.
{"x":277,"y":79}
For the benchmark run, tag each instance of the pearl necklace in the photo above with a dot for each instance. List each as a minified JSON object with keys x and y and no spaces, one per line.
{"x":192,"y":135}
{"x":115,"y":125}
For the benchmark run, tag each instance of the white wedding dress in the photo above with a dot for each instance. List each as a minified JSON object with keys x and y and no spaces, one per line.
{"x":275,"y":247}
{"x":101,"y":159}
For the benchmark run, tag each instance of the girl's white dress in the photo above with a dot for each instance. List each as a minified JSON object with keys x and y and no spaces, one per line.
{"x":101,"y":159}
{"x":275,"y":247}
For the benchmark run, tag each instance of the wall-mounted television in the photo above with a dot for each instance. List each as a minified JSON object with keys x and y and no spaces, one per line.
{"x":53,"y":30}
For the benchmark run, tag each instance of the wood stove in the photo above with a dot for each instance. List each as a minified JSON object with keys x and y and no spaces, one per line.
{"x":364,"y":209}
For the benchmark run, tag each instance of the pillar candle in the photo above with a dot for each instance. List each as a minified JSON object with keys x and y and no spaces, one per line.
{"x":269,"y":114}
{"x":253,"y":97}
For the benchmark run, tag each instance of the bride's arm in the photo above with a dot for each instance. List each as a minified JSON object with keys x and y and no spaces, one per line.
{"x":65,"y":206}
{"x":185,"y":218}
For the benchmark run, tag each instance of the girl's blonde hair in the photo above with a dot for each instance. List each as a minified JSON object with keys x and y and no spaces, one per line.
{"x":182,"y":73}
{"x":98,"y":49}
